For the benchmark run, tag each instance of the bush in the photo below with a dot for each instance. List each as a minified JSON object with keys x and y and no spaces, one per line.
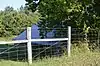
{"x":80,"y":47}
{"x":12,"y":22}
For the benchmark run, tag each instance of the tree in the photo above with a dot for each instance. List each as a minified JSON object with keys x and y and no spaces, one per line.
{"x":84,"y":14}
{"x":69,"y":12}
{"x":12,"y":21}
{"x":9,"y":9}
{"x":32,"y":4}
{"x":61,"y":13}
{"x":76,"y":13}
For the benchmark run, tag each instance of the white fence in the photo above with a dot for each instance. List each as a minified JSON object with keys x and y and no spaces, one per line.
{"x":29,"y":40}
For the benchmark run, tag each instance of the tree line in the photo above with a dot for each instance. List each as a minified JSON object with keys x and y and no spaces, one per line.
{"x":12,"y":22}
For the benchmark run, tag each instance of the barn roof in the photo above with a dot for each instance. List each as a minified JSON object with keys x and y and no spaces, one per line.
{"x":36,"y":35}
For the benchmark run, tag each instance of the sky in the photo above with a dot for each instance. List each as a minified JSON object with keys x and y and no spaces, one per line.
{"x":13,"y":3}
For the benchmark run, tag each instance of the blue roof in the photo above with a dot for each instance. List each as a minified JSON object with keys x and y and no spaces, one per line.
{"x":35,"y":35}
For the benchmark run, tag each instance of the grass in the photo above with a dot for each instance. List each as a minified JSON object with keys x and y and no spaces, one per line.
{"x":88,"y":59}
{"x":79,"y":57}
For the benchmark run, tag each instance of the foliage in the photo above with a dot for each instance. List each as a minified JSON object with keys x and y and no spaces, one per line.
{"x":12,"y":21}
{"x":70,"y":12}
{"x":82,"y":14}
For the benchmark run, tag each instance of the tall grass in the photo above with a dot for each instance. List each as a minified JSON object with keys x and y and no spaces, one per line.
{"x":84,"y":59}
{"x":80,"y":56}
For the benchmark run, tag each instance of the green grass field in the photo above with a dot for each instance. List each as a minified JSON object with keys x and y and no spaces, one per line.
{"x":79,"y":57}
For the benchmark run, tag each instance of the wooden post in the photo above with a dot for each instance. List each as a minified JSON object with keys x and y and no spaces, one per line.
{"x":29,"y":47}
{"x":69,"y":41}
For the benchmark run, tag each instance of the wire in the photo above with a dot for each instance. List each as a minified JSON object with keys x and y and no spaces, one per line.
{"x":8,"y":49}
{"x":45,"y":49}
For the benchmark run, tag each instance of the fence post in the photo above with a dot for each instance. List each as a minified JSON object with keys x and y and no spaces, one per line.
{"x":98,"y":37}
{"x":69,"y":41}
{"x":29,"y":47}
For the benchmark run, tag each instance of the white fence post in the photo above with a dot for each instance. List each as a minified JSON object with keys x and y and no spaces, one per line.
{"x":29,"y":47}
{"x":69,"y":41}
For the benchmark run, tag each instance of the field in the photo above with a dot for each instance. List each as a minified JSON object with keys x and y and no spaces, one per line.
{"x":79,"y":57}
{"x":85,"y":59}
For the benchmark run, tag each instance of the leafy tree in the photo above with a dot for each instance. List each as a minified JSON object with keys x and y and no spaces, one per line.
{"x":84,"y":14}
{"x":12,"y":21}
{"x":76,"y":13}
{"x":9,"y":9}
{"x":61,"y":13}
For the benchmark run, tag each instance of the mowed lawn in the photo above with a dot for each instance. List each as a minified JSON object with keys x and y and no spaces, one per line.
{"x":80,"y":59}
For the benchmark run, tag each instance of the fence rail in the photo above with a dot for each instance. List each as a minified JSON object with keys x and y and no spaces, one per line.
{"x":32,"y":40}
